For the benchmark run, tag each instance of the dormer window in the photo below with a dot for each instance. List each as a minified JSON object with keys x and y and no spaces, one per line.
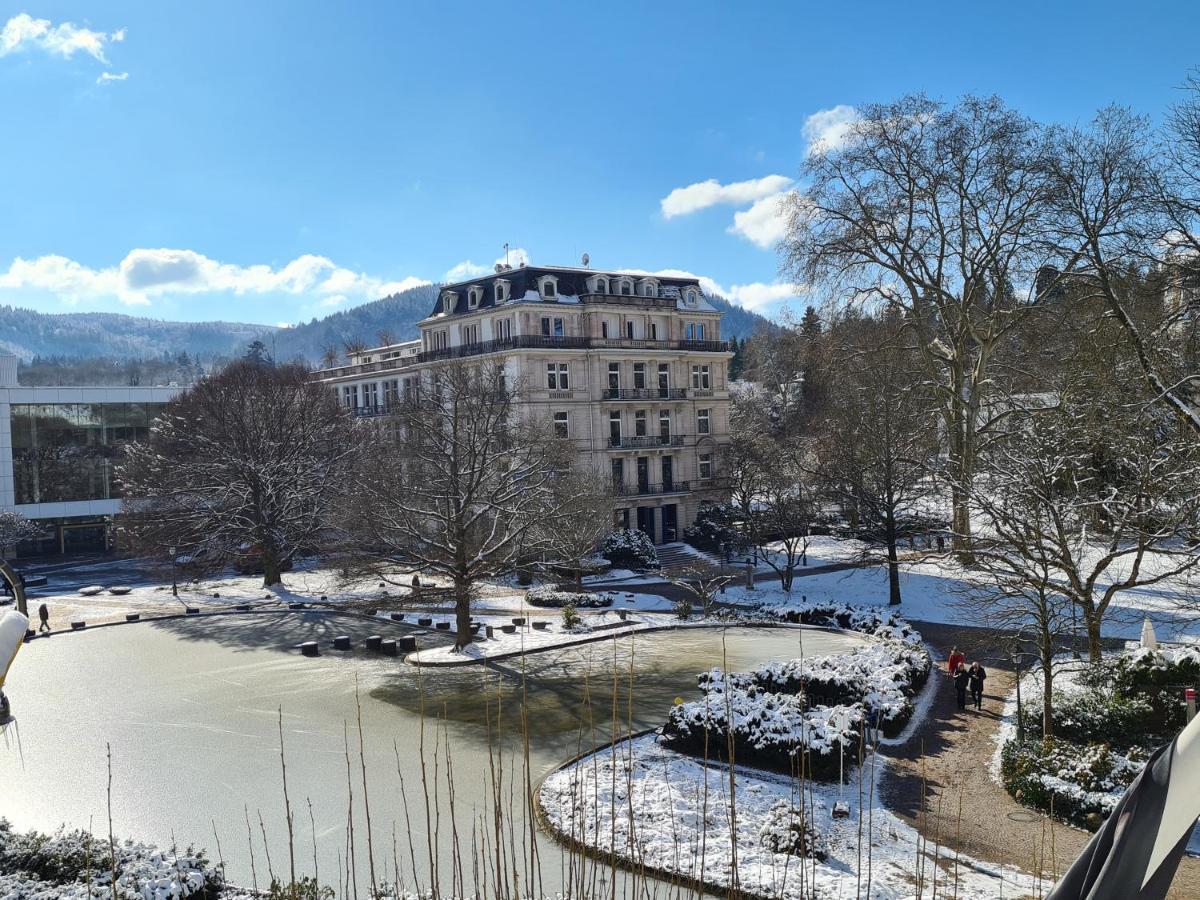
{"x":503,"y":290}
{"x":627,"y":287}
{"x":474,"y":295}
{"x":449,"y":298}
{"x":599,"y":284}
{"x":689,"y":297}
{"x":548,"y":287}
{"x":648,"y":288}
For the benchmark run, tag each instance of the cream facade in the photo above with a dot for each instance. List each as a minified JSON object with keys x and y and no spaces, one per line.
{"x":631,"y":368}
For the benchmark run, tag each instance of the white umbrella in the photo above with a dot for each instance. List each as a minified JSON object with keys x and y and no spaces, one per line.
{"x":1149,"y":641}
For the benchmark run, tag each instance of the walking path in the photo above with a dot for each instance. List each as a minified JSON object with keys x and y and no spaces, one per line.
{"x":944,"y":767}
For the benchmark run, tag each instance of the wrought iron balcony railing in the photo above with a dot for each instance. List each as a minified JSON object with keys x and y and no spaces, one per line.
{"x":645,"y":394}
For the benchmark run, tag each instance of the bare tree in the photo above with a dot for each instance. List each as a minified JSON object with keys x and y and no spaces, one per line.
{"x":1088,"y":500}
{"x":354,"y":345}
{"x":330,"y":357}
{"x":701,"y":587}
{"x":457,"y":483}
{"x":784,"y":510}
{"x":386,"y":337}
{"x":579,"y":517}
{"x":940,"y":210}
{"x":876,"y":443}
{"x":248,"y":461}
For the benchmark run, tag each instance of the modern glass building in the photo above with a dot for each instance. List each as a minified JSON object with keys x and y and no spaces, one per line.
{"x":59,"y":448}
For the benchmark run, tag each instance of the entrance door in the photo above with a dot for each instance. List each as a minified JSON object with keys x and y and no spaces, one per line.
{"x":670,"y":523}
{"x":645,"y":520}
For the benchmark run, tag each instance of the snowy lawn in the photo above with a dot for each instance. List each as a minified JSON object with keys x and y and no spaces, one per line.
{"x":658,"y":808}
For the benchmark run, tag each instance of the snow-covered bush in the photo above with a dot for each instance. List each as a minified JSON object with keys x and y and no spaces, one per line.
{"x":1080,"y":784}
{"x":630,"y":548}
{"x":61,"y":865}
{"x":1096,"y":715}
{"x":784,"y":830}
{"x":548,"y":596}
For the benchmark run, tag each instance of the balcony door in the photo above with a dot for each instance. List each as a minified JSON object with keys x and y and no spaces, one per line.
{"x":645,"y":521}
{"x":668,"y":473}
{"x":643,"y":474}
{"x":670,"y":523}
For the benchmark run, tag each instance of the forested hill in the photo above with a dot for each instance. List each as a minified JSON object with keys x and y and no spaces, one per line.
{"x":55,"y":337}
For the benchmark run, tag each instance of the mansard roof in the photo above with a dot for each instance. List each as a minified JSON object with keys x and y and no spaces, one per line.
{"x":571,"y":283}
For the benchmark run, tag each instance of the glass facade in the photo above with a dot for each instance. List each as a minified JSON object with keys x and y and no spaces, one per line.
{"x":67,"y":451}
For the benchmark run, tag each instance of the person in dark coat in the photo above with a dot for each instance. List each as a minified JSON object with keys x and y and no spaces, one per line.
{"x":976,"y":675}
{"x":961,"y":680}
{"x":44,"y":616}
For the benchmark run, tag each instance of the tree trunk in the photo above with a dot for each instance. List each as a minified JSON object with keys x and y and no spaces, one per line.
{"x":462,"y":613}
{"x":272,"y":568}
{"x":786,"y":575}
{"x":1095,"y":649}
{"x":893,"y":561}
{"x":1047,"y":693}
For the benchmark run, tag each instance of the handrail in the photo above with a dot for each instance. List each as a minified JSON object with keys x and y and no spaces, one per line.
{"x":644,"y":394}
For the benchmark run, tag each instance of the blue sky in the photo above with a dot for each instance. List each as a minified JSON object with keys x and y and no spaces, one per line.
{"x":271,"y":162}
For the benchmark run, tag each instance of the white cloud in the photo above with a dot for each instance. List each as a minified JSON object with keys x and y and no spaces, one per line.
{"x":65,"y":39}
{"x":109,"y":77}
{"x":147,"y":273}
{"x":764,"y":223}
{"x":830,"y":129}
{"x":466,"y":270}
{"x":703,"y":194}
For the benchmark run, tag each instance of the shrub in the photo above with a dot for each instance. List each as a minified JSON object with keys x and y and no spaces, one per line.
{"x":570,"y":618}
{"x":683,"y":609}
{"x":714,"y":529}
{"x":548,"y":596}
{"x":1082,"y":718}
{"x":629,"y":548}
{"x":784,"y":830}
{"x":1079,"y":784}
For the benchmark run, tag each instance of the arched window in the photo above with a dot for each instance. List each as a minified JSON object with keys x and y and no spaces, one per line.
{"x":549,"y":286}
{"x":690,"y":297}
{"x":473,"y":296}
{"x":448,"y":299}
{"x":626,"y":287}
{"x":502,"y":288}
{"x":601,"y":285}
{"x":548,"y":289}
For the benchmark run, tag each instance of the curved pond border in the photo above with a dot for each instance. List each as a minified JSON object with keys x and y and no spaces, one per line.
{"x":624,"y":632}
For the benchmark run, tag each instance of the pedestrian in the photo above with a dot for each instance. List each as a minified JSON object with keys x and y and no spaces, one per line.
{"x":955,"y":660}
{"x":44,"y":615}
{"x":961,"y":679}
{"x":976,"y":675}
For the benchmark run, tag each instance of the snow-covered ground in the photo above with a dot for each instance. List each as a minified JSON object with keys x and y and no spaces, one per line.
{"x":664,"y":810}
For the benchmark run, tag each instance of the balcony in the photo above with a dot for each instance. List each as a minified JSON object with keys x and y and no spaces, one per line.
{"x":651,"y":490}
{"x":645,"y":442}
{"x":377,"y":409}
{"x":644,"y":394}
{"x":519,"y":342}
{"x":630,"y":300}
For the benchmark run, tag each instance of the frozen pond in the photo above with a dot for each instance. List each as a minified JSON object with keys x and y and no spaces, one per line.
{"x":190,"y":708}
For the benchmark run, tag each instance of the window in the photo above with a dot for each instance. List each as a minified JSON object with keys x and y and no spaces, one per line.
{"x":706,"y":468}
{"x":700,"y":331}
{"x":626,"y":287}
{"x":558,"y":377}
{"x":448,"y":299}
{"x":649,"y":289}
{"x":473,"y":295}
{"x":409,"y":388}
{"x":702,"y":421}
{"x":552,"y":327}
{"x":502,"y":290}
{"x":664,"y":379}
{"x":614,"y":376}
{"x":601,"y":285}
{"x":629,"y":330}
{"x":618,"y":474}
{"x":689,"y":297}
{"x":614,"y":428}
{"x":639,"y":423}
{"x":391,"y":392}
{"x":350,"y":395}
{"x":548,"y":289}
{"x":690,"y":331}
{"x":371,"y":394}
{"x":503,"y":329}
{"x":469,"y":334}
{"x":639,"y":376}
{"x":700,"y":378}
{"x":548,"y":285}
{"x":560,"y":424}
{"x":664,"y":426}
{"x":603,"y":329}
{"x":653,"y":334}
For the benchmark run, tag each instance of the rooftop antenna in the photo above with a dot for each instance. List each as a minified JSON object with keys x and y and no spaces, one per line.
{"x":586,"y":259}
{"x":506,"y":256}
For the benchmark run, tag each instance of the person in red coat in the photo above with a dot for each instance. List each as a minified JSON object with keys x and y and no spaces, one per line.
{"x":956,"y":659}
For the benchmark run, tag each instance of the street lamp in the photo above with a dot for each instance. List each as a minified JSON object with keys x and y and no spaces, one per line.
{"x":1017,"y":659}
{"x":174,"y":583}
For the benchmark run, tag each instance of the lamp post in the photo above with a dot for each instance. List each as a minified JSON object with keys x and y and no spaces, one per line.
{"x":1017,"y":657}
{"x":174,"y":582}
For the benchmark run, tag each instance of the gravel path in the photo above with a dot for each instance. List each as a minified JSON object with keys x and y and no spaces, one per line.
{"x":945,"y":765}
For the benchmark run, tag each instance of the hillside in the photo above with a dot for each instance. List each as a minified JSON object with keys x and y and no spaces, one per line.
{"x":55,"y":338}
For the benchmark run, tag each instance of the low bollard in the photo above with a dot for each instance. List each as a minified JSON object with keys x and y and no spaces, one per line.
{"x":341,"y":642}
{"x":388,"y":647}
{"x":442,"y":626}
{"x":519,"y":620}
{"x":509,"y":629}
{"x":397,"y":617}
{"x":77,"y":626}
{"x":243,"y":607}
{"x":371,"y":612}
{"x":489,"y":631}
{"x":540,"y":626}
{"x":406,"y":643}
{"x":424,"y":622}
{"x":623,"y":614}
{"x":374,"y":641}
{"x":132,"y":617}
{"x":192,"y":611}
{"x":310,"y":648}
{"x":296,"y":606}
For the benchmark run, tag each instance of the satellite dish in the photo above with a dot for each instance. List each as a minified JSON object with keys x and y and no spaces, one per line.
{"x":586,"y":259}
{"x":499,"y":267}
